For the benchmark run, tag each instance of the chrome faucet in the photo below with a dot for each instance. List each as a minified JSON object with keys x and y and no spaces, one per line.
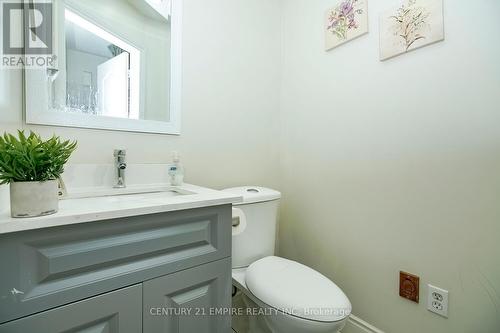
{"x":121,"y":165}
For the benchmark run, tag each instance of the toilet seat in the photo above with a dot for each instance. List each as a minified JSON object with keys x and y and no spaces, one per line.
{"x":296,"y":290}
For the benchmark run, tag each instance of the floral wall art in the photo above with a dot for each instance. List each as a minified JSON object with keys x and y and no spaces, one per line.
{"x":344,"y":22}
{"x":414,"y":24}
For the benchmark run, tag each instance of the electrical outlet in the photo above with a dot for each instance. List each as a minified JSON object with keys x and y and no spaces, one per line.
{"x":437,"y":300}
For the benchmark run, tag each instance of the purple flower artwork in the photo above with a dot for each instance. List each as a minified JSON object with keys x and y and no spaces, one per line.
{"x":346,"y":21}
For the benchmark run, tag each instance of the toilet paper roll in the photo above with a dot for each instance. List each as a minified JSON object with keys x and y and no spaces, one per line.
{"x":239,"y":221}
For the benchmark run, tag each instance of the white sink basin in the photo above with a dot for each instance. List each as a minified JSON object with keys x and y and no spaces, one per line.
{"x":129,"y":193}
{"x":148,"y":196}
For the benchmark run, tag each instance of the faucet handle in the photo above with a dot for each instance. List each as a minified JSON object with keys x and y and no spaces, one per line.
{"x":120,"y":166}
{"x":120,"y":152}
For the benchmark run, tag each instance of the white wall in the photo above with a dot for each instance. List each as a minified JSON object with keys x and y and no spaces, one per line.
{"x":231,"y":73}
{"x":396,"y":165}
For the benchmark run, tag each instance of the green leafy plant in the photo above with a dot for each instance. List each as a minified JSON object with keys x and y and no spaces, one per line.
{"x":30,"y":158}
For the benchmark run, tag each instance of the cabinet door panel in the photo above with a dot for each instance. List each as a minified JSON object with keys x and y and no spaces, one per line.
{"x":47,"y":268}
{"x":115,"y":312}
{"x":193,"y":300}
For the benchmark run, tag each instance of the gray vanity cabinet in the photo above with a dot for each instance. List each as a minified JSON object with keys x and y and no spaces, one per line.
{"x":194,"y":300}
{"x":114,"y":312}
{"x":100,"y":276}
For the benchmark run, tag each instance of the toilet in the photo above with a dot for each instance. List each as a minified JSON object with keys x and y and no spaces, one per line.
{"x":292,"y":297}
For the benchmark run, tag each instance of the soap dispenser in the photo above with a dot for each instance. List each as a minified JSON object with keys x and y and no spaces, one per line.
{"x":176,"y":170}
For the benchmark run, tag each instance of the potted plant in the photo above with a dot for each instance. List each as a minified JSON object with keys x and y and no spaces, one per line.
{"x":32,"y":167}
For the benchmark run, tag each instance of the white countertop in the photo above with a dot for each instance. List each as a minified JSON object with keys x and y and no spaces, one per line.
{"x":82,"y":210}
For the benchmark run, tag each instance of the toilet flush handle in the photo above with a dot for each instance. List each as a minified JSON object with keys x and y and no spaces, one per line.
{"x":236,"y":221}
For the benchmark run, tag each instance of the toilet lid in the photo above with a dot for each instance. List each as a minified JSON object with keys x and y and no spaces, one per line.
{"x":297,"y":290}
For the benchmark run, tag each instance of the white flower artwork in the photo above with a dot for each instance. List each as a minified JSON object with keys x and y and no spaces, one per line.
{"x":414,"y":24}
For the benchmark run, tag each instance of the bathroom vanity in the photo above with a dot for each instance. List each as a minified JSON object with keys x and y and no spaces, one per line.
{"x":143,"y":262}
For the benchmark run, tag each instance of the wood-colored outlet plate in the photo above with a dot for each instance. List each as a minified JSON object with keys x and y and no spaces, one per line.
{"x":409,"y":286}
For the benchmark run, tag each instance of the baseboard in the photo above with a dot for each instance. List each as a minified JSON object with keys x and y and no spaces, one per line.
{"x":358,"y":325}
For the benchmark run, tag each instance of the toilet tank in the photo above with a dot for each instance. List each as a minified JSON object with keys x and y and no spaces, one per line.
{"x":254,"y":224}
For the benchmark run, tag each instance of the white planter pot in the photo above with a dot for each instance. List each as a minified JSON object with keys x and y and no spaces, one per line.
{"x":31,"y":199}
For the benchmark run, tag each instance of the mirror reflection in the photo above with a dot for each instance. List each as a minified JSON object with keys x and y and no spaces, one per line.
{"x":116,"y":59}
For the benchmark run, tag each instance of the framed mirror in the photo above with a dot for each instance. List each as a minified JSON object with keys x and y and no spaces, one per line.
{"x":118,"y":67}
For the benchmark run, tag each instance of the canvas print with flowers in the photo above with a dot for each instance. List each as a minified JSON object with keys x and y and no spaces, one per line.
{"x":346,"y":21}
{"x":414,"y":24}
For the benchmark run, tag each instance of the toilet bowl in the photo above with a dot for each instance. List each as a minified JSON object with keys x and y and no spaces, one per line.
{"x":292,"y":297}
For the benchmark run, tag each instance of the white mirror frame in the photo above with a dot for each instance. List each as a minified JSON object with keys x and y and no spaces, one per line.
{"x":34,"y":96}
